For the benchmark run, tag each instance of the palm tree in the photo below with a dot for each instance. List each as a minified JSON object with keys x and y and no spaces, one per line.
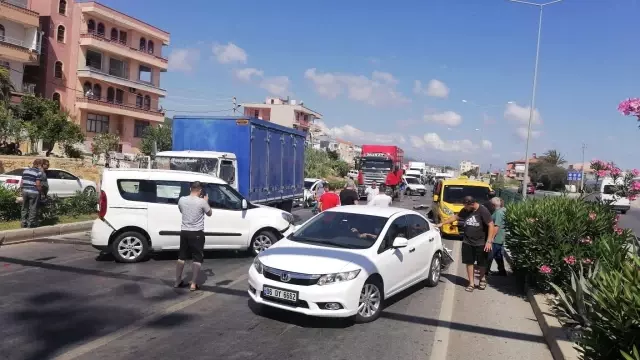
{"x":5,"y":85}
{"x":553,"y":157}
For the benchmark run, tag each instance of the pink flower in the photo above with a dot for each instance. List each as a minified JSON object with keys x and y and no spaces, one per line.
{"x":615,"y":171}
{"x":592,"y":215}
{"x":632,"y":197}
{"x":587,"y":261}
{"x":635,"y":186}
{"x":569,"y":260}
{"x":635,"y":172}
{"x":629,"y":106}
{"x":602,"y":173}
{"x":616,"y":219}
{"x":586,"y":241}
{"x":619,"y":231}
{"x":545,"y":269}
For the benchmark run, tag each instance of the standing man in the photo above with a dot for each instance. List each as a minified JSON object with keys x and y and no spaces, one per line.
{"x":381,"y":199}
{"x":371,"y":191}
{"x":477,"y":240}
{"x":193,"y":209}
{"x":349,"y":196}
{"x":329,"y":199}
{"x":44,"y":182}
{"x":31,"y":193}
{"x":498,"y":242}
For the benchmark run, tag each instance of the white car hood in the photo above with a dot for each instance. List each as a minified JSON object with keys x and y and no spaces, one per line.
{"x":308,"y":259}
{"x":416,"y":187}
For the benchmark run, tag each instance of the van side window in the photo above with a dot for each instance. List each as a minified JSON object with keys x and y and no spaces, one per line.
{"x":227,"y":171}
{"x":169,"y":192}
{"x":137,"y":190}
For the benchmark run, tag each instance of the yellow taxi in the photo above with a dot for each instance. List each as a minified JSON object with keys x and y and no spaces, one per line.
{"x":448,"y":195}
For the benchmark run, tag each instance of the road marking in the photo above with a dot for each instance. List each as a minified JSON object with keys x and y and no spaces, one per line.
{"x":440,"y":346}
{"x":95,"y":344}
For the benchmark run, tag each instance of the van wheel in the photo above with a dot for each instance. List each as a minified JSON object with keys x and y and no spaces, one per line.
{"x":623,"y":212}
{"x":130,"y":247}
{"x":262,"y":241}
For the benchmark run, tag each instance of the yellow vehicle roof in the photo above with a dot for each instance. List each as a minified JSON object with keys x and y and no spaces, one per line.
{"x":464,"y":181}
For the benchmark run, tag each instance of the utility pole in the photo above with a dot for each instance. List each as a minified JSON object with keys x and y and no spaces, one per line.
{"x":235,"y":106}
{"x":584,"y":146}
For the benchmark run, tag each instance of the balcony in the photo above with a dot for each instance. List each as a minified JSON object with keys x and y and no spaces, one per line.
{"x":115,"y":76}
{"x":103,"y":105}
{"x":16,"y":11}
{"x":101,"y":42}
{"x":16,"y":50}
{"x":25,"y":89}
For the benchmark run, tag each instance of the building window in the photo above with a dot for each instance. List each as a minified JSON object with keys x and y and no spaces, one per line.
{"x":91,"y":26}
{"x":94,"y":60}
{"x":147,"y":102}
{"x":144,"y":73}
{"x":2,"y":32}
{"x":97,"y":91}
{"x":139,"y":128}
{"x":143,"y":44}
{"x":111,"y":94}
{"x":256,"y":113}
{"x":97,"y":123}
{"x":56,"y":98}
{"x":118,"y":68}
{"x":119,"y":96}
{"x":123,"y":37}
{"x":62,"y":7}
{"x":57,"y":70}
{"x":114,"y":34}
{"x":272,"y":101}
{"x":139,"y":100}
{"x":60,"y":35}
{"x":150,"y":47}
{"x":100,"y":29}
{"x":88,"y":89}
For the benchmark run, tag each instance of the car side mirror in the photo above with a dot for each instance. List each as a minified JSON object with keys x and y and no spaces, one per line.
{"x":245,"y":205}
{"x":435,"y":198}
{"x":400,"y":242}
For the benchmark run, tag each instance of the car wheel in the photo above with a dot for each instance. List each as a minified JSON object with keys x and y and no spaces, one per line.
{"x":434,"y":270}
{"x":370,"y":302}
{"x":89,"y":190}
{"x":130,"y":247}
{"x":623,"y":212}
{"x":422,"y":194}
{"x":262,"y":241}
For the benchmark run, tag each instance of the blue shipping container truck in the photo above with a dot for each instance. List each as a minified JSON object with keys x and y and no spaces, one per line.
{"x":270,"y":157}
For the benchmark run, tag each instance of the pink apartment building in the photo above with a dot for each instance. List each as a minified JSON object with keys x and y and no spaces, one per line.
{"x":285,"y":112}
{"x":104,"y":67}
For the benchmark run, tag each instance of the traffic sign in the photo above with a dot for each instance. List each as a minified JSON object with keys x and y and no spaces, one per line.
{"x":574,"y":176}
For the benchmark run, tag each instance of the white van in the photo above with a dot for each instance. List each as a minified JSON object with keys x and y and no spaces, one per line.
{"x":603,"y":190}
{"x":138,"y":213}
{"x":413,"y":186}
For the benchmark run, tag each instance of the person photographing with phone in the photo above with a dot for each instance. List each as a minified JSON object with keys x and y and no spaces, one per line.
{"x":193,"y":209}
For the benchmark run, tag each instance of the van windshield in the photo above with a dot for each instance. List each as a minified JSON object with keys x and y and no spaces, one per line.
{"x":200,"y":165}
{"x":609,"y":190}
{"x":454,"y":194}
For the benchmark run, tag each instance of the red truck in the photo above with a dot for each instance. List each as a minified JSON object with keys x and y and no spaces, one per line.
{"x":375,"y":162}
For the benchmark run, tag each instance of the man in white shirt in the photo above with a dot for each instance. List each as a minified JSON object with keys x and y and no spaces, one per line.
{"x":371,"y":192}
{"x":381,"y":199}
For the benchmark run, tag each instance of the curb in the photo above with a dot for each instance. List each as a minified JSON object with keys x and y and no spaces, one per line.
{"x":560,"y":346}
{"x":19,"y":236}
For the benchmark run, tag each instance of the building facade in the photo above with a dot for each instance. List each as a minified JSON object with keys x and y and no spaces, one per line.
{"x":467,"y":165}
{"x":20,"y":40}
{"x":515,"y":169}
{"x":285,"y":112}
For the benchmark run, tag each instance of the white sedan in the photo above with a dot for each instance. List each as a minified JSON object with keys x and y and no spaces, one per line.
{"x":345,"y":261}
{"x":61,"y":183}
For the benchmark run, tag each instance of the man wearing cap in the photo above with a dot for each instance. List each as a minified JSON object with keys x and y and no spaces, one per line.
{"x":477,"y":240}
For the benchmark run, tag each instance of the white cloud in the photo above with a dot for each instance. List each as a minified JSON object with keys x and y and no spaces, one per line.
{"x":522,"y":133}
{"x":247,"y":74}
{"x":276,"y":85}
{"x":183,"y":59}
{"x":379,"y":90}
{"x":487,"y":145}
{"x":448,"y":118}
{"x":434,"y":142}
{"x":520,"y":114}
{"x":435,"y":88}
{"x":348,"y":132}
{"x":230,"y":53}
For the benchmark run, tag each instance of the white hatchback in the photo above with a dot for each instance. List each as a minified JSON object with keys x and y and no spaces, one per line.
{"x":138,"y":213}
{"x":345,"y":261}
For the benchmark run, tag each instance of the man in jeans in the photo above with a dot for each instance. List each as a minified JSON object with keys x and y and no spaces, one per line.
{"x":498,"y":241}
{"x":31,"y":190}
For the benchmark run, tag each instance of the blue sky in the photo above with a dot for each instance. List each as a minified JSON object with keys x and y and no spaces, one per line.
{"x":482,"y":51}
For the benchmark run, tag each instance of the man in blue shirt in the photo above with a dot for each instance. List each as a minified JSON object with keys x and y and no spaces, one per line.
{"x":31,"y":190}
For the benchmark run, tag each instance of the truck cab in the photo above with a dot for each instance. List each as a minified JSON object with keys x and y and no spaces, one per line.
{"x":220,"y":164}
{"x":372,"y":168}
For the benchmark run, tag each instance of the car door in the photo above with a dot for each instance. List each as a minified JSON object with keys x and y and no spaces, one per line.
{"x":56,"y":184}
{"x":229,"y":225}
{"x":70,"y":182}
{"x":165,"y":220}
{"x":423,"y":240}
{"x":395,"y":264}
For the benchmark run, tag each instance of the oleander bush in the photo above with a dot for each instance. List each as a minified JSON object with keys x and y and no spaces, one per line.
{"x":52,"y":208}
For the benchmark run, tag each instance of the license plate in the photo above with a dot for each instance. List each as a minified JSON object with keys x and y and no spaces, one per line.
{"x":290,"y":296}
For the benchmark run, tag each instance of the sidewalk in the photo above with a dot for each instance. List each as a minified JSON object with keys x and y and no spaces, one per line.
{"x":497,"y":323}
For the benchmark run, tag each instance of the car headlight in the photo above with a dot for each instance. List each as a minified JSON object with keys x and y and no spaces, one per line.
{"x":257,"y":265}
{"x":447,"y":211}
{"x":338,"y":277}
{"x":288,"y":217}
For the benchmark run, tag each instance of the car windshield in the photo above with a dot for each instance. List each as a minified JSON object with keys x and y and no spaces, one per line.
{"x":339,"y":229}
{"x":453,"y":194}
{"x":200,"y":165}
{"x":377,"y":164}
{"x":411,"y":180}
{"x":308,"y":184}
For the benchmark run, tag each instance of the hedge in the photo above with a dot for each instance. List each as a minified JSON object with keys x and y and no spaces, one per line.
{"x":54,"y":207}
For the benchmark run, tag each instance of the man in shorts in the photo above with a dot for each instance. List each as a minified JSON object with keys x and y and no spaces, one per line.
{"x":477,"y":240}
{"x":193,"y":209}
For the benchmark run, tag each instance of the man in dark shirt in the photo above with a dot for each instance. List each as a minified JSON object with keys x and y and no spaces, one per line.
{"x":349,"y":196}
{"x":477,"y":240}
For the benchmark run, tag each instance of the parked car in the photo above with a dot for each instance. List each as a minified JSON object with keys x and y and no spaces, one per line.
{"x":346,"y":261}
{"x":61,"y":183}
{"x":310,"y":187}
{"x":138,"y":213}
{"x":531,"y":188}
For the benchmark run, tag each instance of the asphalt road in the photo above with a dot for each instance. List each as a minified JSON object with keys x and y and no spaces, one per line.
{"x":63,"y":301}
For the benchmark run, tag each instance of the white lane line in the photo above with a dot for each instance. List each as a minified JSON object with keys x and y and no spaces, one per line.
{"x":93,"y":345}
{"x":440,"y":345}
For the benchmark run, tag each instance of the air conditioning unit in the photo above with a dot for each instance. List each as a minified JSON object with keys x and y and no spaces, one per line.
{"x":132,"y":90}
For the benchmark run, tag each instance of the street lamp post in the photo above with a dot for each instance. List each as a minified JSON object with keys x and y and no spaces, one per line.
{"x":533,"y":94}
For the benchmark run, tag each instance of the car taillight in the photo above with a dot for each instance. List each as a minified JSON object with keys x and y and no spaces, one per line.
{"x":12,"y":181}
{"x":102,"y":205}
{"x":360,"y":178}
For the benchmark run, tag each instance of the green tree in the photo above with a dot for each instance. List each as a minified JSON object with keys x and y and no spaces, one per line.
{"x":317,"y":164}
{"x":554,"y":157}
{"x":11,"y":128}
{"x":341,"y":168}
{"x":552,"y":177}
{"x":161,"y":135}
{"x":103,"y":143}
{"x":472,"y":172}
{"x":5,"y":85}
{"x":333,"y":155}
